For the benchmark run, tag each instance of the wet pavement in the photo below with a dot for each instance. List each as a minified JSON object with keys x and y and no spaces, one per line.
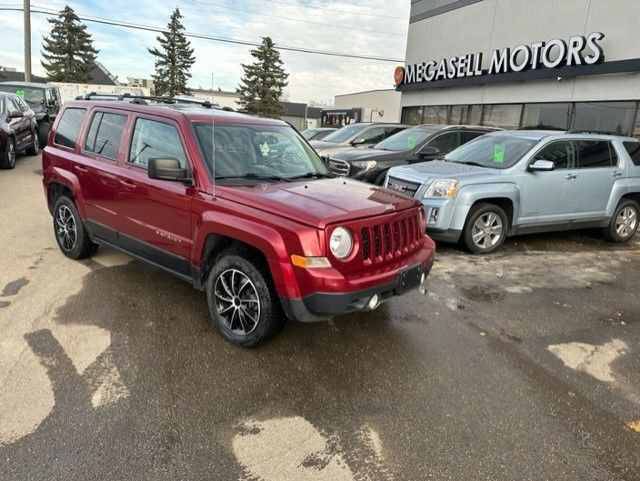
{"x":520,"y":365}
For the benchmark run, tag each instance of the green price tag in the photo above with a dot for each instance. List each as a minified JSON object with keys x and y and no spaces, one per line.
{"x":498,"y":153}
{"x":411,"y":142}
{"x":20,"y":93}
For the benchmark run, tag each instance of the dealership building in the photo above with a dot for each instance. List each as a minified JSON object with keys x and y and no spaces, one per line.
{"x":553,"y":64}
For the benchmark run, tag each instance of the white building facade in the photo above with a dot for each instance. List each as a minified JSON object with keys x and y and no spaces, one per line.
{"x":377,"y":105}
{"x":561,"y":64}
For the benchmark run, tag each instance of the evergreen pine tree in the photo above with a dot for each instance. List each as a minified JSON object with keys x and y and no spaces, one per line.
{"x":173,"y":60}
{"x":261,"y":86}
{"x":68,"y":52}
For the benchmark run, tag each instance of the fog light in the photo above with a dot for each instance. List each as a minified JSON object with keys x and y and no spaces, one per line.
{"x":374,"y":302}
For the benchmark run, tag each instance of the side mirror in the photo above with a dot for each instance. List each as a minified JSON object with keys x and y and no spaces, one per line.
{"x":542,"y":165}
{"x":16,"y":114}
{"x":358,"y":141}
{"x":429,"y":152}
{"x":167,"y":169}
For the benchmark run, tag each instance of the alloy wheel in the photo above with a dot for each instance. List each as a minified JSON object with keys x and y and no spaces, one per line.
{"x":626,"y":222}
{"x":11,"y":154}
{"x":66,"y":228}
{"x":487,"y":230}
{"x":237,"y":301}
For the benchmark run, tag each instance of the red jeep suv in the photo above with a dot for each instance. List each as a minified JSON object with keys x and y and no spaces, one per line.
{"x":239,"y":206}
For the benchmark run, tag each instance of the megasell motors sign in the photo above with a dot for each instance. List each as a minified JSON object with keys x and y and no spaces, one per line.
{"x":578,"y":50}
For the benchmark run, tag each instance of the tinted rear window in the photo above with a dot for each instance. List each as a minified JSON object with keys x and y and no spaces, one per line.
{"x":595,"y":153}
{"x":105,"y":134}
{"x":67,"y":132}
{"x":633,"y":148}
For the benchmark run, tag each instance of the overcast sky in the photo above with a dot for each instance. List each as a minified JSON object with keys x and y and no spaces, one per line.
{"x":373,"y":27}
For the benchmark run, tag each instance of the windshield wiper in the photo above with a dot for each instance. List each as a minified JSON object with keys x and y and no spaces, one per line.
{"x":477,"y":164}
{"x":312,"y":175}
{"x":254,"y":176}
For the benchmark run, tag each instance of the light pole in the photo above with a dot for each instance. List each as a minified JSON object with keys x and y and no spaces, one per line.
{"x":27,"y":40}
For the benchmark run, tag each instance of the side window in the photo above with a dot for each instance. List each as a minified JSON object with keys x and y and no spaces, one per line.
{"x":445,"y":143}
{"x":633,"y":149}
{"x":153,"y":139}
{"x":105,"y":133}
{"x":67,"y":132}
{"x":594,"y":154}
{"x":373,"y":135}
{"x":469,"y":136}
{"x":562,"y":154}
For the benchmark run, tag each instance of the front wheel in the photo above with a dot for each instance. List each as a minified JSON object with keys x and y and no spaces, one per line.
{"x":243,"y":306}
{"x":34,"y":148}
{"x":8,"y":159}
{"x":485,"y":229}
{"x":72,"y":237}
{"x":624,"y":223}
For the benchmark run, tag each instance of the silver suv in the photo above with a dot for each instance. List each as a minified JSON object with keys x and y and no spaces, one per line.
{"x":516,"y":182}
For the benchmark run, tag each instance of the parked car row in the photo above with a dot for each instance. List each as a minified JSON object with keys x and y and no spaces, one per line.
{"x":241,"y":211}
{"x":18,"y":130}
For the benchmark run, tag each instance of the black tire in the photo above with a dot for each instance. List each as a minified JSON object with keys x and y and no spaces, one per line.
{"x":380,"y":178}
{"x":34,"y":148}
{"x":223,"y":290}
{"x":8,"y":158}
{"x":626,"y":208}
{"x":67,"y":220}
{"x":43,"y":133}
{"x":492,"y":238}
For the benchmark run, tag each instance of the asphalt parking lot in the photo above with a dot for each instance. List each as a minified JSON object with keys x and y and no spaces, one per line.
{"x":520,"y":365}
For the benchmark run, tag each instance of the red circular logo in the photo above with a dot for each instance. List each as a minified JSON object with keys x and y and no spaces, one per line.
{"x":398,"y":75}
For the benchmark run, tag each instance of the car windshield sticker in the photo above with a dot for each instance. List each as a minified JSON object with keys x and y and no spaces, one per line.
{"x":20,"y":92}
{"x":498,"y":153}
{"x":411,"y":142}
{"x":265,"y":149}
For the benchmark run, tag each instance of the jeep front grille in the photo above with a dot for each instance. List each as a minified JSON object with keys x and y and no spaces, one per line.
{"x":390,"y":239}
{"x":339,"y":167}
{"x":403,"y":186}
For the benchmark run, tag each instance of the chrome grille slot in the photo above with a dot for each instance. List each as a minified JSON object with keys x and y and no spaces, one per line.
{"x":403,"y":186}
{"x":338,"y":167}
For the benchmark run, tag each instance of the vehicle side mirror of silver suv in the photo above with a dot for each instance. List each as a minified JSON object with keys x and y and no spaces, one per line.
{"x":542,"y":165}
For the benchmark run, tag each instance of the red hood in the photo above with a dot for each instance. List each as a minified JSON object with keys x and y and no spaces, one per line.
{"x":319,"y":202}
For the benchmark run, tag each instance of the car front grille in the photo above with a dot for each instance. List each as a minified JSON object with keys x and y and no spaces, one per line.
{"x":403,"y":186}
{"x":388,"y":240}
{"x":339,"y":167}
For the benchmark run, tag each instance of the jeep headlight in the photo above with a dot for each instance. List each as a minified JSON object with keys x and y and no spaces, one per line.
{"x":341,"y":242}
{"x":364,"y":165}
{"x":442,"y":188}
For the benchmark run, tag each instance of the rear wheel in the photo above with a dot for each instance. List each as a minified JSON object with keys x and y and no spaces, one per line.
{"x":43,"y":132}
{"x":624,"y":223}
{"x":72,"y":237}
{"x":485,"y":229}
{"x":243,"y":305}
{"x":8,"y":159}
{"x":34,"y":148}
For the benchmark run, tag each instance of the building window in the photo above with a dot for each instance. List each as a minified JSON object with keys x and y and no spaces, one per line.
{"x":412,"y":115}
{"x":614,"y":117}
{"x":505,"y":116}
{"x":546,"y":116}
{"x":466,"y":115}
{"x":636,"y":127}
{"x":435,"y":115}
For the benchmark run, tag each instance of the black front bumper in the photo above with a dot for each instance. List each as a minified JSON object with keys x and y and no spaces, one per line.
{"x":320,"y":306}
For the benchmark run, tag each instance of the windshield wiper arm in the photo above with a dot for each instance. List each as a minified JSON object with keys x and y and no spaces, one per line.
{"x":254,"y":176}
{"x":311,"y":175}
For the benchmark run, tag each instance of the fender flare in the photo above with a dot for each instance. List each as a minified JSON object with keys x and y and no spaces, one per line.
{"x":260,"y":236}
{"x":70,"y":181}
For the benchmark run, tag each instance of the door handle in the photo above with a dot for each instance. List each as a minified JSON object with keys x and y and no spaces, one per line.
{"x":79,"y":168}
{"x":127,"y":184}
{"x":617,"y":173}
{"x":571,"y":176}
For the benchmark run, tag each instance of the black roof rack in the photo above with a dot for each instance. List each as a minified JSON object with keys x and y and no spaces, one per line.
{"x":143,"y":100}
{"x":596,"y":132}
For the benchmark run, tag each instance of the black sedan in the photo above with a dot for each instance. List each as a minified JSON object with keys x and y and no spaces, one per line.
{"x":18,"y":130}
{"x":417,"y":144}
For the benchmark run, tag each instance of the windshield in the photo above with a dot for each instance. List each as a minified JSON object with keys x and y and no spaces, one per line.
{"x":307,"y":134}
{"x":257,"y":152}
{"x":405,"y":140}
{"x":31,"y":95}
{"x":345,"y":133}
{"x":492,"y":151}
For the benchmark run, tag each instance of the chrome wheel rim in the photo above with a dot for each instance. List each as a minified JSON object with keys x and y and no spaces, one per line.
{"x":66,"y":228}
{"x":12,"y":154}
{"x":237,"y":302}
{"x":36,"y":143}
{"x":487,"y":230}
{"x":626,"y":222}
